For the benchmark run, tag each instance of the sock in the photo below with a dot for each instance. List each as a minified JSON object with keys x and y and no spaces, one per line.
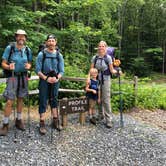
{"x":19,"y":115}
{"x":94,"y":115}
{"x":6,"y":120}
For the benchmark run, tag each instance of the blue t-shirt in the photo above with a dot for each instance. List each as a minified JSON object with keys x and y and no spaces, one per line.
{"x":19,"y":57}
{"x":52,"y":62}
{"x":94,"y":84}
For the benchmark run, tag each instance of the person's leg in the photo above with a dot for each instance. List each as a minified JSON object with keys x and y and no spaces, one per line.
{"x":9,"y":94}
{"x":92,"y":111}
{"x":7,"y":112}
{"x":19,"y":122}
{"x":106,"y":96}
{"x":43,"y":97}
{"x":54,"y":106}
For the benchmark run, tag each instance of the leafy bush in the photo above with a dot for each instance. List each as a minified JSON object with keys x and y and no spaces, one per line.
{"x":151,"y":96}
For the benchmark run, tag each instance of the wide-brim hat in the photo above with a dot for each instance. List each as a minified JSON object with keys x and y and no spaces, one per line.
{"x":20,"y":32}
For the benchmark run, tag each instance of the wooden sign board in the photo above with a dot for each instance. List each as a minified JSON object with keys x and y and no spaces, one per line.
{"x":76,"y":105}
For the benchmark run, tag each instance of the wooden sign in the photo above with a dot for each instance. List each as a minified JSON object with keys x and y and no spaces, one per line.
{"x":70,"y":106}
{"x":76,"y":105}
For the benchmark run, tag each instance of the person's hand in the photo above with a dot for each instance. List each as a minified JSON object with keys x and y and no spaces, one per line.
{"x":99,"y":101}
{"x":27,"y":66}
{"x":12,"y":66}
{"x":117,"y":62}
{"x":52,"y":80}
{"x":94,"y":91}
{"x":119,"y":71}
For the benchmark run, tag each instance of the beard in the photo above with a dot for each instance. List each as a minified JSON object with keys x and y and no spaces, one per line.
{"x":21,"y":42}
{"x":51,"y":47}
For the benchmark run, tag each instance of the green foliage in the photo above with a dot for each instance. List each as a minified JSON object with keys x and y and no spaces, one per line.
{"x":126,"y":96}
{"x":152,"y":96}
{"x":139,"y":67}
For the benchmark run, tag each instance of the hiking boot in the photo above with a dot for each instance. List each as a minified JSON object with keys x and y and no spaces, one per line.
{"x":109,"y":125}
{"x":56,"y":124}
{"x":42,"y":128}
{"x":20,"y":125}
{"x":4,"y":130}
{"x":93,"y":120}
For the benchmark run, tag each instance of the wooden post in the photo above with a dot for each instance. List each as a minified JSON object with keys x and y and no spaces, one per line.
{"x":135,"y":90}
{"x":82,"y":118}
{"x":64,"y":120}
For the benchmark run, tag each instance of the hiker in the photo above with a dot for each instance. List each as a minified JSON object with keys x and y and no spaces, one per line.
{"x":16,"y":61}
{"x":93,"y":94}
{"x":50,"y":68}
{"x":104,"y":64}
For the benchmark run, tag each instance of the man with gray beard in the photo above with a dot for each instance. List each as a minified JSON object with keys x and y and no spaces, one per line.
{"x":16,"y":61}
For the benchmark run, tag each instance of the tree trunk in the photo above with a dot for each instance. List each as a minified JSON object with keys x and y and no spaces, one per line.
{"x":164,"y":57}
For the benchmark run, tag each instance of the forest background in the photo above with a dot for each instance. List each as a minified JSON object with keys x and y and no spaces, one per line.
{"x":136,"y":28}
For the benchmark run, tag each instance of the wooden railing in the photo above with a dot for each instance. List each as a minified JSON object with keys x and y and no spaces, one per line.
{"x":36,"y":91}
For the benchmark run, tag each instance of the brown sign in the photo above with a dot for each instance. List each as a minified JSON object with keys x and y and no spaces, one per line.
{"x":76,"y":105}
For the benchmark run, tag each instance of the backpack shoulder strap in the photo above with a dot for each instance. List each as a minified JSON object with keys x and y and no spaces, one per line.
{"x":106,"y":59}
{"x":95,"y":60}
{"x":11,"y":52}
{"x":44,"y":57}
{"x":27,"y":52}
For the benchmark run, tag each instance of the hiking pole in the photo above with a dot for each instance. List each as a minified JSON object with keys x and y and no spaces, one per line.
{"x":50,"y":101}
{"x":13,"y":88}
{"x":29,"y":126}
{"x":120,"y":98}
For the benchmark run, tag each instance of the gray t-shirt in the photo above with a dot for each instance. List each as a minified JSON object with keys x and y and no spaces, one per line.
{"x":101,"y":65}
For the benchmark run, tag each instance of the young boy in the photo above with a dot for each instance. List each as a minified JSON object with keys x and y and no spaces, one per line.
{"x":93,"y":94}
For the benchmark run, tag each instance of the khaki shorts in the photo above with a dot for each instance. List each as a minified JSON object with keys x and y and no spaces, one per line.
{"x":92,"y":103}
{"x":12,"y":90}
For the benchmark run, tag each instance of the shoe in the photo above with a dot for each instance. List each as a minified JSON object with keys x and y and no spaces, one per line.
{"x":56,"y":124}
{"x":93,"y":120}
{"x":4,"y":130}
{"x":19,"y":124}
{"x":109,"y":125}
{"x":42,"y":128}
{"x":100,"y":117}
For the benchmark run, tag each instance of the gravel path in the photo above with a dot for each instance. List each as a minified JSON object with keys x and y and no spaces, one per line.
{"x":136,"y":144}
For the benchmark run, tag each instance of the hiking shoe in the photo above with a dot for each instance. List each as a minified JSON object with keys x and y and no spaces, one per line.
{"x":56,"y":124}
{"x":109,"y":125}
{"x":93,"y":120}
{"x":4,"y":130}
{"x":42,"y":128}
{"x":20,"y":125}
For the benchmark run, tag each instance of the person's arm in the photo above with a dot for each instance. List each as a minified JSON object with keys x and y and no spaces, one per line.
{"x":99,"y":95}
{"x":113,"y":71}
{"x":88,"y":89}
{"x":61,"y":66}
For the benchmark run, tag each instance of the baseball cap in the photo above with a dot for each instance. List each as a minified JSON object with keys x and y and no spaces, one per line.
{"x":51,"y":36}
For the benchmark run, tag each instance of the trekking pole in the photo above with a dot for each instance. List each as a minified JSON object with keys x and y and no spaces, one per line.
{"x":13,"y":88}
{"x":101,"y":102}
{"x":29,"y":126}
{"x":120,"y":99}
{"x":50,"y":101}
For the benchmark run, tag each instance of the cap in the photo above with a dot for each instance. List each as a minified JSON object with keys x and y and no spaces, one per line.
{"x":51,"y":36}
{"x":20,"y":32}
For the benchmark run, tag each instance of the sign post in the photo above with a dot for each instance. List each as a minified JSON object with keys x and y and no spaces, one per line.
{"x":71,"y":106}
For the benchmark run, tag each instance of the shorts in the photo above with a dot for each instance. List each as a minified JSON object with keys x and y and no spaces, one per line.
{"x":15,"y":89}
{"x":92,"y":103}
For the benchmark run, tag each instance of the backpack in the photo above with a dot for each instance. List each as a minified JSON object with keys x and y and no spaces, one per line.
{"x":111,"y":53}
{"x":8,"y":73}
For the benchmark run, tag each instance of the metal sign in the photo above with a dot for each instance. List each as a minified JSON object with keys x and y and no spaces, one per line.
{"x":76,"y":105}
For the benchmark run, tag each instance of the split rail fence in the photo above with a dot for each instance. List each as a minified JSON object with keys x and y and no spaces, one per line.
{"x":77,"y":105}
